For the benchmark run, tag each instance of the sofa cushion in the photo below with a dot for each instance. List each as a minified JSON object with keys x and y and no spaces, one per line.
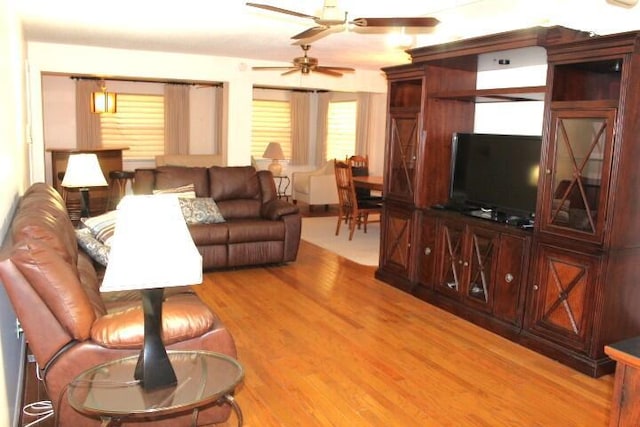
{"x":240,"y":208}
{"x":200,"y":210}
{"x":91,"y":284}
{"x":183,"y":317}
{"x":96,"y":249}
{"x":185,"y":191}
{"x":41,"y":197}
{"x":233,"y":182}
{"x":57,"y":284}
{"x":102,"y":226}
{"x":176,"y":176}
{"x":41,"y":225}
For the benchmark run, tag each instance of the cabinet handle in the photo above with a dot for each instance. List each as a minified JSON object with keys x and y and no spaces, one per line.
{"x":536,"y":287}
{"x":427,"y":250}
{"x":547,"y":171}
{"x":465,"y":264}
{"x":508,"y":278}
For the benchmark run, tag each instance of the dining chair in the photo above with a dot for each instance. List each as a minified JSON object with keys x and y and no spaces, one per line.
{"x":352,"y":211}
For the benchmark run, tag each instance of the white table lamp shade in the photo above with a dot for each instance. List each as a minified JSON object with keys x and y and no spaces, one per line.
{"x":83,"y":170}
{"x":151,"y":246}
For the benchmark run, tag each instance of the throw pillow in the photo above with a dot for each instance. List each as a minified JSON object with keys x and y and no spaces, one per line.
{"x":94,"y":247}
{"x":102,"y":226}
{"x":200,"y":210}
{"x":185,"y":191}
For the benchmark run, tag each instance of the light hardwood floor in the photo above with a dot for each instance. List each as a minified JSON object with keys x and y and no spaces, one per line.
{"x":324,"y":343}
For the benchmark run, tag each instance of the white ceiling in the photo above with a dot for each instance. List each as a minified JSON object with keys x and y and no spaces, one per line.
{"x":231,"y":28}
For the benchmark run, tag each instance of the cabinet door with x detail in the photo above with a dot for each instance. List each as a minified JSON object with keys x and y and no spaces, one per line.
{"x":562,"y":296}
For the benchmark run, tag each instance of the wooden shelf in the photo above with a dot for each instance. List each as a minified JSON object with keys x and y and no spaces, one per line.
{"x":508,"y":94}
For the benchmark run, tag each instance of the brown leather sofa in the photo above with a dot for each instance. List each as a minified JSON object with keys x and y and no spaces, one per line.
{"x":69,"y":326}
{"x":258,"y":229}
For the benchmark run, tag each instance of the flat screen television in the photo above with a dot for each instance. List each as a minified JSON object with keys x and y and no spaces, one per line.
{"x":497,"y":172}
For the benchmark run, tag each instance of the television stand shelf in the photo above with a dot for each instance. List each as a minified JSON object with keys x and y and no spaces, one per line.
{"x":510,"y":94}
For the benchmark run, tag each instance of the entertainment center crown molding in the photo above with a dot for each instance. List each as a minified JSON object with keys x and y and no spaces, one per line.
{"x":568,"y":286}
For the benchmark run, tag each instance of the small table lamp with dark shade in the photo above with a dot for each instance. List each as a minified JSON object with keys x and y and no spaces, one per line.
{"x":83,"y":171}
{"x":151,"y":250}
{"x":274,"y":152}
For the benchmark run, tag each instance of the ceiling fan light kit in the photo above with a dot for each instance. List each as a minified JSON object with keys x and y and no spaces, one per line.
{"x":306,"y":64}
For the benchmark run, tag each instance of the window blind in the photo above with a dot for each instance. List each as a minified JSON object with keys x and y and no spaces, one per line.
{"x":137,"y":124}
{"x":341,"y":129}
{"x":271,"y":122}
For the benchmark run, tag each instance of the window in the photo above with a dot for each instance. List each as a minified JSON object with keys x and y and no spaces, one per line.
{"x":137,"y":124}
{"x":271,"y":123}
{"x":341,"y":129}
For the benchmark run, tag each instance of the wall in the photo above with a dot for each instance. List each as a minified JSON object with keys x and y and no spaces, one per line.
{"x":237,"y":77}
{"x":13,"y":176}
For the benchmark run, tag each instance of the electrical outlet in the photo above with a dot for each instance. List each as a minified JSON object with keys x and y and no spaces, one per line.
{"x":19,"y":330}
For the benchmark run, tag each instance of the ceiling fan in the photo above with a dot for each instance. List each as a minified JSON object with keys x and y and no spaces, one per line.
{"x":306,"y":64}
{"x":330,"y":15}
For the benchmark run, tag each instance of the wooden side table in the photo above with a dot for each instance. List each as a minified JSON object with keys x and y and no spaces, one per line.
{"x":282,"y":184}
{"x":108,"y":391}
{"x":625,"y":408}
{"x":110,"y":159}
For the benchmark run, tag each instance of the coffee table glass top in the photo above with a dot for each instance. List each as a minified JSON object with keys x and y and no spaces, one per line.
{"x":109,"y":389}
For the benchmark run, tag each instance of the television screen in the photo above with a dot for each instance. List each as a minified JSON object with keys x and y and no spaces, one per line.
{"x":497,"y":172}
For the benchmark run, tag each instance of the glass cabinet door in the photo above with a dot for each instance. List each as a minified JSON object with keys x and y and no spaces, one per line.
{"x":577,"y":177}
{"x":452,"y":264}
{"x":483,"y":245}
{"x":404,"y":128}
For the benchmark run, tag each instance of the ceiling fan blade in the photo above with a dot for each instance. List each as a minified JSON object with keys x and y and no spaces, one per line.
{"x":291,"y":71}
{"x":274,"y":68}
{"x":396,"y":22}
{"x":327,"y":71}
{"x":311,"y":32}
{"x":331,"y":67}
{"x":280,"y":10}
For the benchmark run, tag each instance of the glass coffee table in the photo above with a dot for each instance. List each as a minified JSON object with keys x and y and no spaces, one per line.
{"x":109,"y":391}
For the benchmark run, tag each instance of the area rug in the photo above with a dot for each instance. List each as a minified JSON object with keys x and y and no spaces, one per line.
{"x":363,"y":248}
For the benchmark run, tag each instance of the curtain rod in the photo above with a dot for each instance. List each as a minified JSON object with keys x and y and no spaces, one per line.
{"x":291,"y":89}
{"x":122,"y":79}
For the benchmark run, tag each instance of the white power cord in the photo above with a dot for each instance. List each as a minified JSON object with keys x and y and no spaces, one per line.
{"x":42,"y":410}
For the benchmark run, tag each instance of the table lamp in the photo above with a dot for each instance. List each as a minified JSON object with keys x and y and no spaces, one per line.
{"x":151,"y":250}
{"x":83,"y":171}
{"x":274,"y":152}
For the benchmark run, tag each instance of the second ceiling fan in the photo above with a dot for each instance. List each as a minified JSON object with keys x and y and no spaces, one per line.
{"x":330,"y":16}
{"x":306,"y":64}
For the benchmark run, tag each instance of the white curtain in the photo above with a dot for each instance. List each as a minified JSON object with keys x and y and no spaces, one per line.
{"x":321,"y":128}
{"x":87,"y":123}
{"x":176,"y":118}
{"x":300,"y":107}
{"x":363,"y":120}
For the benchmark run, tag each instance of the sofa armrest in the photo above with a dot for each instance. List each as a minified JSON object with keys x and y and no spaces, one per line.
{"x":183,"y":317}
{"x":276,"y":209}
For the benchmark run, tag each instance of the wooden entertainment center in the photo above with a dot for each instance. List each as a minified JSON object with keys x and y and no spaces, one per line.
{"x":571,"y":284}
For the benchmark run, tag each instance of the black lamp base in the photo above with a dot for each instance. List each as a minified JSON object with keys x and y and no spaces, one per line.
{"x":85,"y":212}
{"x":153,"y":368}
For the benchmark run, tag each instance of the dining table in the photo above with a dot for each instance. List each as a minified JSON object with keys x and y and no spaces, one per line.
{"x":371,"y":182}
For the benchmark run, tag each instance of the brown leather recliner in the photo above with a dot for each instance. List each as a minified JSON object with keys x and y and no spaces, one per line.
{"x":69,"y":326}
